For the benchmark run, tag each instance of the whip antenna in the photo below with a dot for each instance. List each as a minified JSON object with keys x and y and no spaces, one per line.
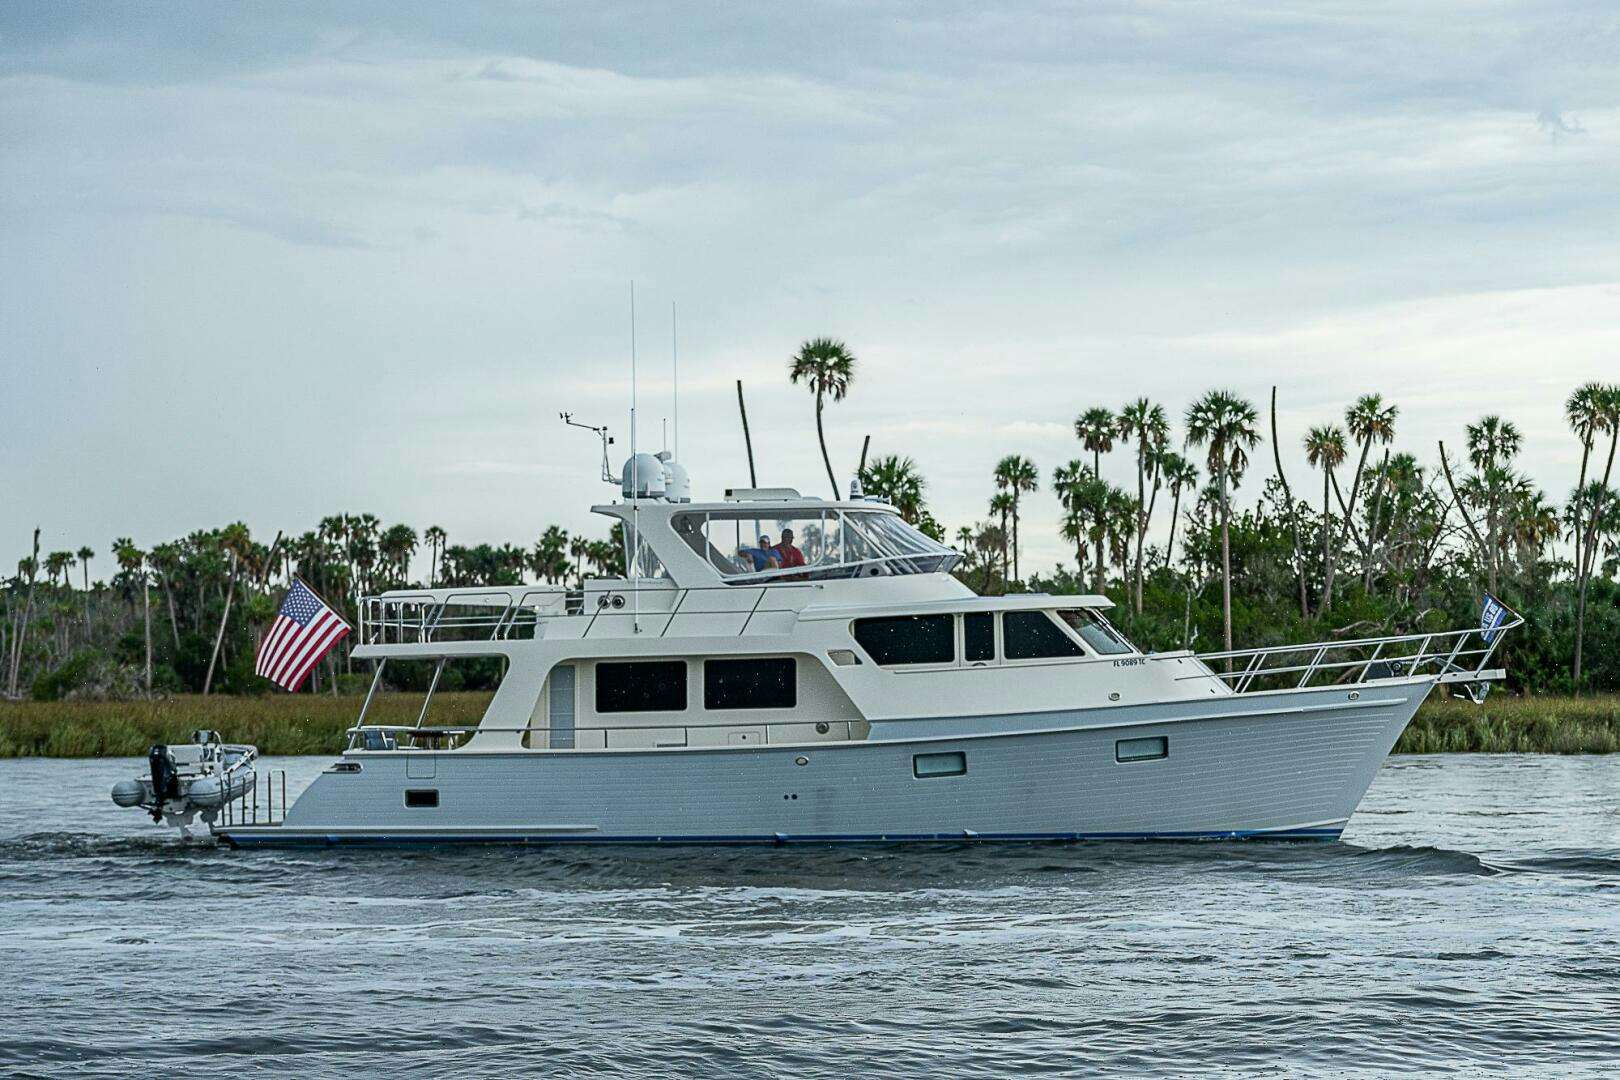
{"x":633,"y":548}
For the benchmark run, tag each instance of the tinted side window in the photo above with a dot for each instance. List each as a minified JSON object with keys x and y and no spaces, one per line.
{"x":909,"y":639}
{"x":1030,"y":635}
{"x":1095,"y":631}
{"x":979,"y":636}
{"x":770,"y":683}
{"x":641,"y":686}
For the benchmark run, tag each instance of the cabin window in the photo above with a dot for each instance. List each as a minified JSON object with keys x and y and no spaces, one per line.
{"x":1095,"y":631}
{"x":1032,"y":635}
{"x":908,"y":639}
{"x":753,"y":683}
{"x":978,"y":637}
{"x":421,"y":798}
{"x":750,"y":545}
{"x":1149,"y":749}
{"x":641,"y":686}
{"x":928,"y":766}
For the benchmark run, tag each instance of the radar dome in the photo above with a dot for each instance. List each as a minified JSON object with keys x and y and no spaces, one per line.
{"x":677,"y":483}
{"x":643,"y":477}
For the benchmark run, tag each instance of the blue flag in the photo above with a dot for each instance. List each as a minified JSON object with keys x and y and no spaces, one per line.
{"x":1493,"y":614}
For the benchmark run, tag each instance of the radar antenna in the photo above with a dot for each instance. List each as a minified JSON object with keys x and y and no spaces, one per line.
{"x":607,"y":441}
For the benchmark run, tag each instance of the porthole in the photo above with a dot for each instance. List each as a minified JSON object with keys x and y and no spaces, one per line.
{"x":1149,"y":749}
{"x":929,"y":766}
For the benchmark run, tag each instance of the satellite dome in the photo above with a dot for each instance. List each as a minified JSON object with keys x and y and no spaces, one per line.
{"x":643,"y":477}
{"x":677,"y":483}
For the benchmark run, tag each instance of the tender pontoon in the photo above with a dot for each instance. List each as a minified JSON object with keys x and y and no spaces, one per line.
{"x":720,"y":695}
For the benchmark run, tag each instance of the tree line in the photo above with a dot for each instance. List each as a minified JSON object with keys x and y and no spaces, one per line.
{"x":1391,"y":544}
{"x":187,"y":615}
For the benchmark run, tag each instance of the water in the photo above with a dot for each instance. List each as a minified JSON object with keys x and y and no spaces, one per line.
{"x":1470,"y":922}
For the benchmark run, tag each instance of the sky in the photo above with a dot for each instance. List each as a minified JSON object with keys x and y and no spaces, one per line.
{"x":272,"y":262}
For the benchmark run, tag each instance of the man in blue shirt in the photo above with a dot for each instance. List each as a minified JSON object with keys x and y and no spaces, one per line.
{"x":763,"y":557}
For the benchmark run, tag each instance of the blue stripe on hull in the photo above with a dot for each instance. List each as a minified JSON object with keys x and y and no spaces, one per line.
{"x":270,"y":840}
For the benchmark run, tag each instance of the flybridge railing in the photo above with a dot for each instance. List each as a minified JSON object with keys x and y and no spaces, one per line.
{"x":471,"y":615}
{"x":507,"y":614}
{"x":1456,"y":656}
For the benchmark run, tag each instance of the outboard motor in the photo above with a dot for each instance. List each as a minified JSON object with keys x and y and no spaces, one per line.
{"x":165,"y":781}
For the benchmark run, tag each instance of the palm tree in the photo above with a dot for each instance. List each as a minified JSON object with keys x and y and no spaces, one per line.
{"x":237,"y":545}
{"x":57,"y":564}
{"x":434,"y":536}
{"x":579,"y":548}
{"x":1493,"y":443}
{"x":1095,"y":430}
{"x":1066,"y":481}
{"x":132,"y":561}
{"x":1325,"y":450}
{"x":990,"y":539}
{"x":897,"y":481}
{"x":550,"y":556}
{"x":1002,"y":505}
{"x":1225,"y":423}
{"x":828,"y":367}
{"x":395,"y":546}
{"x":1145,"y":424}
{"x":165,"y":561}
{"x":1119,"y":520}
{"x":1179,"y":475}
{"x":1369,"y":420}
{"x":1019,"y":476}
{"x":26,"y":568}
{"x":85,"y":555}
{"x":1600,"y":406}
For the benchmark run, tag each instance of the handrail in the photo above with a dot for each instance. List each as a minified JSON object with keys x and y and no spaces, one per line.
{"x":504,"y":613}
{"x":1444,"y":651}
{"x":454,"y":732}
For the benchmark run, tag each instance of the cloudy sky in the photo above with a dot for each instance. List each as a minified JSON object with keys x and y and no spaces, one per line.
{"x":270,"y":262}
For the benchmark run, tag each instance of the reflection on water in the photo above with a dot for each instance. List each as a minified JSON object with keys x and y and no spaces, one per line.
{"x":1470,"y":920}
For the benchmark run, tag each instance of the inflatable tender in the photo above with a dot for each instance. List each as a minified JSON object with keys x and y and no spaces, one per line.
{"x":190,"y":779}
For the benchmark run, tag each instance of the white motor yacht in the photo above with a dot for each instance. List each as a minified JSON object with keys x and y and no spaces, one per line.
{"x":727,"y":691}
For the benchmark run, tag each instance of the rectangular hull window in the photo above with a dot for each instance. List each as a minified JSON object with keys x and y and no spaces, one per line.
{"x":1032,"y":635}
{"x":928,"y":766}
{"x":979,"y":637}
{"x":641,"y":686}
{"x":1151,"y":749}
{"x":909,"y":639}
{"x":764,"y":683}
{"x":422,"y":798}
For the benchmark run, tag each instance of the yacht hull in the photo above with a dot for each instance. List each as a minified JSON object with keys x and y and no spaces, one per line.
{"x":1287,"y":765}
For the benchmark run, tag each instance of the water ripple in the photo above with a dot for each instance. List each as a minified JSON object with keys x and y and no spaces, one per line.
{"x":1467,"y":924}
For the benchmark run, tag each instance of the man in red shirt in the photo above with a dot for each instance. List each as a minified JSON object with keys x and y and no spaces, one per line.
{"x":787,"y":555}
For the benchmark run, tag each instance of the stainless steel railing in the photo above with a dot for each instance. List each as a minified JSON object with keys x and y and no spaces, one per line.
{"x":1453,"y":655}
{"x":265,"y":803}
{"x":449,"y":736}
{"x":515,"y":613}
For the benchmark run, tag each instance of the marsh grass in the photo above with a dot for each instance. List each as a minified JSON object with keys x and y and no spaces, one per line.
{"x":1515,"y":725}
{"x":290,"y":724}
{"x":312,"y":724}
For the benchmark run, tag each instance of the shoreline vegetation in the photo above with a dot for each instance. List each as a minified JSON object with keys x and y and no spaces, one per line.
{"x":1380,"y":538}
{"x":315,"y":724}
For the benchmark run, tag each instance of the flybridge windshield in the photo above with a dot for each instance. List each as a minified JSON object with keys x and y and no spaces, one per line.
{"x":814,"y":545}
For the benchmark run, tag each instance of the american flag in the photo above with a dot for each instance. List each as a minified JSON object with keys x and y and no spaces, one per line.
{"x":305,"y":628}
